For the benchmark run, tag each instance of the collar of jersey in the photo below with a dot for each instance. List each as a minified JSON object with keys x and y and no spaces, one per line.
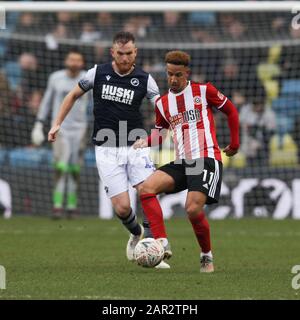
{"x":123,"y":75}
{"x":181,"y":92}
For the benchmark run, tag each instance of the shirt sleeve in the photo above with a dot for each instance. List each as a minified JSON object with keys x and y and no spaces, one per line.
{"x":152,"y":90}
{"x":46,"y":103}
{"x":214,"y":97}
{"x":160,"y":121}
{"x":87,"y":82}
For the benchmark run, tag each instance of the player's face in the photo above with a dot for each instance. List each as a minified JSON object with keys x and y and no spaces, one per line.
{"x":74,"y":62}
{"x":124,"y":55}
{"x":177,"y":77}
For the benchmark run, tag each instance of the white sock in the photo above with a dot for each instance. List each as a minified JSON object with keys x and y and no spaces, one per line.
{"x":164,"y":241}
{"x":209,"y":254}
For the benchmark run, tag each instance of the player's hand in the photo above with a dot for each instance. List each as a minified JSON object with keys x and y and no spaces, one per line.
{"x":53,"y":133}
{"x":140,"y":143}
{"x":37,"y":134}
{"x":230,"y":151}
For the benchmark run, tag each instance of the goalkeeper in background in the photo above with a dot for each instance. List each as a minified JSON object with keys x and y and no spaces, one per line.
{"x":69,"y":146}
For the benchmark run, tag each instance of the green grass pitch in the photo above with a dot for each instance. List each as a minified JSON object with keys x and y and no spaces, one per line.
{"x":85,"y":259}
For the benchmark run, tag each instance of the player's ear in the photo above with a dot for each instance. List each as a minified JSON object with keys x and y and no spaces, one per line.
{"x":188,"y":71}
{"x":112,"y":51}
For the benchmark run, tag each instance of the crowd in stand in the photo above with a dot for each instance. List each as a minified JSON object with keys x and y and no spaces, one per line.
{"x":251,"y":76}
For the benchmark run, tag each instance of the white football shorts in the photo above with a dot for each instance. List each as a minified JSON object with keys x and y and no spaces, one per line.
{"x":69,"y":146}
{"x":119,"y":166}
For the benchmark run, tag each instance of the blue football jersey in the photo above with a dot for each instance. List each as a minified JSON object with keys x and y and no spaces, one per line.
{"x":118,"y":98}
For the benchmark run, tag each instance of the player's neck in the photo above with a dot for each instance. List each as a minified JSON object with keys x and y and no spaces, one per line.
{"x":181,"y":89}
{"x":120,"y":73}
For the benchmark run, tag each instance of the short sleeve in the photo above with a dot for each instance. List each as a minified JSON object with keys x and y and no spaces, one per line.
{"x":152,"y":90}
{"x":87,"y":82}
{"x":214,"y":97}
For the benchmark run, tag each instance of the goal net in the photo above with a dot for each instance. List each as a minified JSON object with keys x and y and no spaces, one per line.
{"x":249,"y":51}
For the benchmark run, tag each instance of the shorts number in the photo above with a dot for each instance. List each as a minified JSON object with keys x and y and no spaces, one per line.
{"x":211,"y":176}
{"x":149,"y":163}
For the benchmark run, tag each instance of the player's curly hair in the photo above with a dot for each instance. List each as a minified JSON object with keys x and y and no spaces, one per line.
{"x":178,"y":58}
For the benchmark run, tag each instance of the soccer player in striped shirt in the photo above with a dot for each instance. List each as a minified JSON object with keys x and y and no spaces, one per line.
{"x":187,"y":110}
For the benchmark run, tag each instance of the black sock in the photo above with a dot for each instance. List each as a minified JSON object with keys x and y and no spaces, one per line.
{"x":130,"y":222}
{"x":147,"y":230}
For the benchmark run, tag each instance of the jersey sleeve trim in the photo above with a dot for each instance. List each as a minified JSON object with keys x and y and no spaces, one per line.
{"x":219,"y":107}
{"x":87,"y":82}
{"x":152,"y":90}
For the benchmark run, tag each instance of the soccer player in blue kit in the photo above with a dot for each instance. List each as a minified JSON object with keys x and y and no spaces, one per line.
{"x":119,"y":88}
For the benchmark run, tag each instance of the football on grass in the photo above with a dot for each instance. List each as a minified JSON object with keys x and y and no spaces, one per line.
{"x":148,"y":252}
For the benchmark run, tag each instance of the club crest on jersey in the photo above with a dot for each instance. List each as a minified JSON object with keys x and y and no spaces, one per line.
{"x":117,"y":94}
{"x":197,"y":100}
{"x":135,"y":82}
{"x":108,"y":77}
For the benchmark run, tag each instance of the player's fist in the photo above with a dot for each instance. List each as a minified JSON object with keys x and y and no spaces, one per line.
{"x":140,"y":143}
{"x":37,"y":134}
{"x":229,"y":151}
{"x":53,"y":133}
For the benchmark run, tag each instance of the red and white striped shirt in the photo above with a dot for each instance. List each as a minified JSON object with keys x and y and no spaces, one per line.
{"x":189,"y":114}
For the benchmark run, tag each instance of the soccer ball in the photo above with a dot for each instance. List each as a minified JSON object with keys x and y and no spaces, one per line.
{"x":148,"y":252}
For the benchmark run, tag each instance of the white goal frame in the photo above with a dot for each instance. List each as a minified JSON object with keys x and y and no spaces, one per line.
{"x":151,"y":6}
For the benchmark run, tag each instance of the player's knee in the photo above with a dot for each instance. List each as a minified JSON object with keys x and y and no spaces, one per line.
{"x":193,"y":209}
{"x":122,"y":209}
{"x":146,"y":187}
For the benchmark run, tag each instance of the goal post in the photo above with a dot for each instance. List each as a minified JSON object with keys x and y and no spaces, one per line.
{"x":248,"y":50}
{"x":151,"y":6}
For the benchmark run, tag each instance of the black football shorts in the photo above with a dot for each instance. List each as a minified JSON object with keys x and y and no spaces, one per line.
{"x":204,"y":175}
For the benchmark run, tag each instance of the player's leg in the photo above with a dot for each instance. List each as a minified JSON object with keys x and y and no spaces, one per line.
{"x":72,"y":190}
{"x":158,"y":182}
{"x":77,"y":142}
{"x":204,"y":188}
{"x":5,"y":199}
{"x":61,"y":152}
{"x":167,"y":179}
{"x":115,"y":180}
{"x":122,"y":207}
{"x":194,"y":207}
{"x":140,"y":169}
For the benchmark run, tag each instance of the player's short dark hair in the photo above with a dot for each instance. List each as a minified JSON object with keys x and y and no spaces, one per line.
{"x":178,"y":58}
{"x":123,"y":37}
{"x":75,"y":50}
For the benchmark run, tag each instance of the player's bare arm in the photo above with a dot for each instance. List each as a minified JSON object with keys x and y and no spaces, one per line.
{"x":65,"y":108}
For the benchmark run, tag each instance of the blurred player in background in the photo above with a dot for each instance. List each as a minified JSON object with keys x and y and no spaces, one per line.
{"x":119,"y":88}
{"x":5,"y":199}
{"x":187,"y":110}
{"x":69,"y":147}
